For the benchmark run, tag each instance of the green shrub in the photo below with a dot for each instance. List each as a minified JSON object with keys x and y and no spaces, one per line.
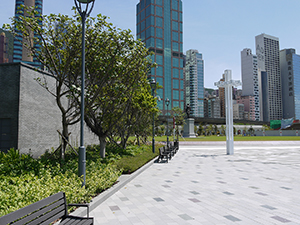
{"x":131,"y":163}
{"x":15,"y":164}
{"x":25,"y":180}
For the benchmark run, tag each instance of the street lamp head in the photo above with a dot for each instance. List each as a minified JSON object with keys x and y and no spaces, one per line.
{"x":167,"y":101}
{"x":81,"y":4}
{"x":85,"y":1}
{"x":153,"y":84}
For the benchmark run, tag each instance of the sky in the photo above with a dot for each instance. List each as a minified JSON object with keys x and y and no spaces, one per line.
{"x":219,"y":29}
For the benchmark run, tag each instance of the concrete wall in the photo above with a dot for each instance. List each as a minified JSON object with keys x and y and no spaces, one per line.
{"x":34,"y":108}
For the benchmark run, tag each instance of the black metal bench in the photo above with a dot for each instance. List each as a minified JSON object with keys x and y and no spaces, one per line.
{"x":163,"y":154}
{"x":47,"y":211}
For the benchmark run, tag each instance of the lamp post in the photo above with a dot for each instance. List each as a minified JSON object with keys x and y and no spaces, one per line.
{"x":84,"y":13}
{"x":167,"y":103}
{"x":153,"y":87}
{"x":228,"y":84}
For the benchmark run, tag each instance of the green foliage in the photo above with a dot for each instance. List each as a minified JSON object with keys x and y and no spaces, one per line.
{"x":131,"y":163}
{"x":209,"y":90}
{"x":13,"y":164}
{"x":200,"y":130}
{"x":25,"y":180}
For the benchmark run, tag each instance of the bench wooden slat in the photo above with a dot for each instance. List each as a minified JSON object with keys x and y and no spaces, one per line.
{"x":73,"y":220}
{"x":50,"y":220}
{"x":30,"y":208}
{"x":51,"y":216}
{"x":42,"y":212}
{"x":45,"y":212}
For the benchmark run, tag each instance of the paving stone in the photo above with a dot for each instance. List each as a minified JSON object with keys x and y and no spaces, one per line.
{"x":114,"y":208}
{"x":232,"y":218}
{"x":268,"y":207}
{"x":183,"y":193}
{"x":283,"y":220}
{"x":158,"y":199}
{"x":185,"y":217}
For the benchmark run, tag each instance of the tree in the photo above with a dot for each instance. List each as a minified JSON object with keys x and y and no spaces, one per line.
{"x":116,"y":68}
{"x":179,"y":114}
{"x":137,"y":119}
{"x":160,"y":130}
{"x":222,"y":129}
{"x":251,"y":131}
{"x":210,"y":128}
{"x":200,"y":130}
{"x":59,"y":39}
{"x":118,"y":100}
{"x":215,"y":128}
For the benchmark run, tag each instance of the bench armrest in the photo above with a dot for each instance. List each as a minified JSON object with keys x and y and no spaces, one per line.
{"x":81,"y":205}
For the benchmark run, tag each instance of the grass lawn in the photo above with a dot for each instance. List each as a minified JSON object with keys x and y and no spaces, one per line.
{"x":236,"y":138}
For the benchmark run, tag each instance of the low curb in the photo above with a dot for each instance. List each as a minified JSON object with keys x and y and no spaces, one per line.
{"x":121,"y":182}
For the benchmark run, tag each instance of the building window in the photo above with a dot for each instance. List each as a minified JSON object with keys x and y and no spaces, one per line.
{"x":175,"y":36}
{"x":150,"y":42}
{"x":159,"y":32}
{"x":159,"y":59}
{"x":174,"y":25}
{"x":175,"y":73}
{"x":159,"y":2}
{"x":159,"y":22}
{"x":176,"y":85}
{"x":159,"y":11}
{"x":159,"y":71}
{"x":175,"y":94}
{"x":159,"y":43}
{"x":174,"y":15}
{"x":175,"y":5}
{"x":175,"y":62}
{"x":175,"y":46}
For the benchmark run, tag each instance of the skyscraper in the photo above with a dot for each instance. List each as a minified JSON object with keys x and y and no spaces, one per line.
{"x":267,"y":51}
{"x":159,"y":26}
{"x":3,"y":48}
{"x":290,"y":77}
{"x":222,"y":98}
{"x":20,"y":53}
{"x":194,"y":85}
{"x":250,"y":82}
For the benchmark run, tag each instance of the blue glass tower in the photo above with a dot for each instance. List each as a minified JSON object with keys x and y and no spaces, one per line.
{"x":159,"y":26}
{"x":296,"y":65}
{"x":20,"y":53}
{"x":194,"y":82}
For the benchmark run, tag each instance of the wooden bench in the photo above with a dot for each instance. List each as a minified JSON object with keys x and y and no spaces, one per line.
{"x":47,"y":211}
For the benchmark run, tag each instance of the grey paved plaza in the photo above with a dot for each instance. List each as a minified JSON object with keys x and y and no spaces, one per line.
{"x":259,"y":184}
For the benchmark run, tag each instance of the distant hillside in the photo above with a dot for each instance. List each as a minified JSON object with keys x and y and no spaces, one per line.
{"x":10,"y":41}
{"x":209,"y":90}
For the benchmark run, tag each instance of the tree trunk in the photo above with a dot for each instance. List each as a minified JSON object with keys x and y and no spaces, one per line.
{"x":65,"y":134}
{"x":102,"y":146}
{"x":138,"y":139}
